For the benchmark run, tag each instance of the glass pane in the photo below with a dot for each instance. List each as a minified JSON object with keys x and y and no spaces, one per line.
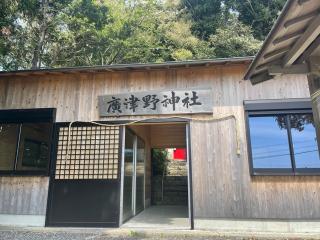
{"x":34,"y":149}
{"x":304,"y":141}
{"x":8,"y":142}
{"x":140,"y":176}
{"x":269,"y":142}
{"x":128,"y":176}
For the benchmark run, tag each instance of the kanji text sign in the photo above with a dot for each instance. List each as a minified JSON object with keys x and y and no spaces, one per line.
{"x":166,"y":102}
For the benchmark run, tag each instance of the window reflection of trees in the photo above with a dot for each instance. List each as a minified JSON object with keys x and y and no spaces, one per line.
{"x":297,"y":121}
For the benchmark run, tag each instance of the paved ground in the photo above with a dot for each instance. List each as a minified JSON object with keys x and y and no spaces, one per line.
{"x":18,"y":233}
{"x":161,"y":217}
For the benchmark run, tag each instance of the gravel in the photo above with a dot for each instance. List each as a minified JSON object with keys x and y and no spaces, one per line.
{"x":23,"y":233}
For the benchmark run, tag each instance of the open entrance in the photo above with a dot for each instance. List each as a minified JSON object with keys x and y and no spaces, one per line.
{"x":155,"y":176}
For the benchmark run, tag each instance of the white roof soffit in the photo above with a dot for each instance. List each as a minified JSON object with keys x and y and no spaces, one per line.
{"x":291,"y":43}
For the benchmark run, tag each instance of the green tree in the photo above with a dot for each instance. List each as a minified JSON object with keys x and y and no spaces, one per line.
{"x":83,"y":38}
{"x":235,"y":39}
{"x":209,"y":15}
{"x":184,"y":44}
{"x":32,"y":27}
{"x":107,"y":32}
{"x":159,"y":161}
{"x":7,"y":10}
{"x":259,"y":14}
{"x":206,"y":16}
{"x":59,"y":33}
{"x":137,"y":31}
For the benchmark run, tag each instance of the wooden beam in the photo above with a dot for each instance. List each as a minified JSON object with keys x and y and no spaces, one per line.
{"x":266,"y":64}
{"x":294,"y":69}
{"x":287,"y":37}
{"x":276,"y":52}
{"x":307,"y":53}
{"x":301,"y":18}
{"x":107,"y":69}
{"x":311,"y":33}
{"x":68,"y":72}
{"x":38,"y":73}
{"x":19,"y":74}
{"x":55,"y":73}
{"x":268,"y":41}
{"x":314,"y":65}
{"x":301,"y":2}
{"x":314,"y":88}
{"x":261,"y":77}
{"x":87,"y":71}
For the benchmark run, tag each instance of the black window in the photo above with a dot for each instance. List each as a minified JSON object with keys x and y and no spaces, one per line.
{"x":282,"y":141}
{"x":25,"y":140}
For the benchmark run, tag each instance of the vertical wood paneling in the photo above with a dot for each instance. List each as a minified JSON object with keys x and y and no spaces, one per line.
{"x":23,"y":195}
{"x":168,"y":135}
{"x":221,"y":182}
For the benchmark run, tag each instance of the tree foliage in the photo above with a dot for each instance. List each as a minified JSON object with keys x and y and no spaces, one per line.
{"x":297,"y":121}
{"x":32,"y":28}
{"x":57,"y":33}
{"x":235,"y":39}
{"x":259,"y":14}
{"x":159,"y":161}
{"x":206,"y":16}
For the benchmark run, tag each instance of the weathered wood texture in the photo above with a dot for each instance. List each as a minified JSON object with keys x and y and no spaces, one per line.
{"x":222,"y":186}
{"x":314,"y":87}
{"x":168,"y":135}
{"x":23,"y":195}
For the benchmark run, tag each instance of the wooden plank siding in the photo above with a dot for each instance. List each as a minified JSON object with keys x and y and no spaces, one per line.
{"x":222,"y":186}
{"x":168,"y":136}
{"x":23,"y":195}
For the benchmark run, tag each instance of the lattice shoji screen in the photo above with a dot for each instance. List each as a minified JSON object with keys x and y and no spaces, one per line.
{"x":93,"y":153}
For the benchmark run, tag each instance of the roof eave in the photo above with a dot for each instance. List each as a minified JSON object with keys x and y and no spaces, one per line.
{"x":269,"y":38}
{"x":135,"y":66}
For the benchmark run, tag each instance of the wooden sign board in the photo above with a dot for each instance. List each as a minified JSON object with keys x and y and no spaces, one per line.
{"x":154,"y":103}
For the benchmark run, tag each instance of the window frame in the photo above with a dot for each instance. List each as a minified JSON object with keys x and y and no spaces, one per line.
{"x":20,"y":117}
{"x":272,"y":108}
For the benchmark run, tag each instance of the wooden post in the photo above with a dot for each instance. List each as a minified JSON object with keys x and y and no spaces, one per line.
{"x":314,"y":88}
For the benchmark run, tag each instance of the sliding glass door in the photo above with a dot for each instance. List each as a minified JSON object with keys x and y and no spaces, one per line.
{"x":140,"y":172}
{"x":128,"y":180}
{"x":134,"y":174}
